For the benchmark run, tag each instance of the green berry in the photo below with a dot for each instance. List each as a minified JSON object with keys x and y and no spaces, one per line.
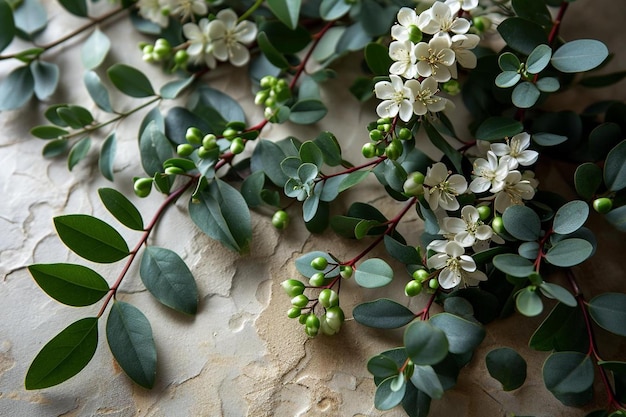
{"x":317,"y":279}
{"x":312,"y":321}
{"x":300,"y":301}
{"x":280,"y":219}
{"x":237,"y":146}
{"x":328,"y":298}
{"x":433,"y":284}
{"x":320,"y":263}
{"x":405,"y":134}
{"x":481,"y":23}
{"x":181,"y":57}
{"x":383,"y":120}
{"x":346,"y":271}
{"x":376,"y":135}
{"x":193,"y":135}
{"x":421,"y":275}
{"x":311,"y":331}
{"x":142,"y":186}
{"x":292,"y":287}
{"x":147,"y":49}
{"x":368,"y":150}
{"x":204,"y":152}
{"x":302,"y":318}
{"x":413,"y":288}
{"x":294,"y":312}
{"x":267,"y":81}
{"x":162,"y":48}
{"x":209,"y":141}
{"x":229,"y":133}
{"x":334,"y":317}
{"x":260,"y":97}
{"x":484,"y":212}
{"x":394,"y":150}
{"x":386,"y":127}
{"x":413,"y":184}
{"x":174,"y":171}
{"x":451,"y":87}
{"x":184,"y":149}
{"x":602,"y":205}
{"x":497,"y":224}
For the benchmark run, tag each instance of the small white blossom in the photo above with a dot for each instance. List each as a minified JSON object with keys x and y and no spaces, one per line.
{"x":466,"y":5}
{"x":156,"y":11}
{"x":489,"y":174}
{"x":425,"y":98}
{"x":440,"y":20}
{"x":442,"y":188}
{"x":435,"y":58}
{"x":468,"y":229}
{"x":515,"y":190}
{"x":229,"y":37}
{"x":188,"y":8}
{"x":200,"y":43}
{"x":406,"y":18}
{"x":403,"y":53}
{"x":462,"y":46}
{"x":515,"y":151}
{"x":456,"y":267}
{"x":397,"y":98}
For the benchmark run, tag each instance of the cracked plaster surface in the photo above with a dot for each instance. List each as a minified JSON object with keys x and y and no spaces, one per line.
{"x":240,"y":355}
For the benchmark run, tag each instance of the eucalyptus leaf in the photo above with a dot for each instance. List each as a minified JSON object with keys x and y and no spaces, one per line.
{"x":513,"y":265}
{"x":107,"y":156}
{"x":570,"y":217}
{"x":308,"y":111}
{"x":508,"y":61}
{"x":507,"y":79}
{"x":525,"y":95}
{"x":121,"y":208}
{"x":551,"y":290}
{"x":287,"y":11}
{"x":309,"y":208}
{"x":522,"y":223}
{"x":272,"y":54}
{"x":507,"y":366}
{"x":70,"y":284}
{"x":615,"y":169}
{"x":98,"y":92}
{"x":130,"y":81}
{"x":406,"y":254}
{"x":562,"y":330}
{"x":382,"y":366}
{"x":54,"y":148}
{"x":172,"y":89}
{"x":383,"y":313}
{"x":46,"y":78}
{"x":329,"y":145}
{"x":7,"y":25}
{"x":548,"y":139}
{"x":528,"y":302}
{"x":76,"y":7}
{"x":579,"y":55}
{"x":569,"y":252}
{"x":425,"y":344}
{"x":311,"y":153}
{"x":373,"y":273}
{"x":463,"y":335}
{"x":538,"y":59}
{"x":353,"y":39}
{"x":95,"y":49}
{"x":333,"y":9}
{"x":48,"y":132}
{"x":385,"y":397}
{"x":497,"y":128}
{"x":548,"y":84}
{"x":353,"y":179}
{"x":377,"y":58}
{"x":617,"y":218}
{"x":609,"y":311}
{"x":78,"y":152}
{"x":303,"y":264}
{"x":522,"y":35}
{"x":569,"y":377}
{"x":30,"y":18}
{"x":17,"y":88}
{"x":426,"y":380}
{"x":154,"y":148}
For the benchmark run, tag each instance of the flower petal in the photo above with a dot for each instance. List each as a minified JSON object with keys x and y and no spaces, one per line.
{"x":449,"y":278}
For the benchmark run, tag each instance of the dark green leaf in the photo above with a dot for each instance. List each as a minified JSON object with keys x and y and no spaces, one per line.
{"x":75,"y":116}
{"x":534,"y":10}
{"x":70,"y":284}
{"x":30,"y":18}
{"x":548,"y":139}
{"x":587,"y":179}
{"x":65,"y":355}
{"x":217,"y":109}
{"x":121,"y":208}
{"x":383,"y":314}
{"x":373,"y":273}
{"x":307,"y":111}
{"x":425,"y":344}
{"x":251,"y":189}
{"x":98,"y":92}
{"x":497,"y":128}
{"x":563,"y":330}
{"x":463,"y":335}
{"x":382,"y":366}
{"x":508,"y":61}
{"x":438,"y":140}
{"x":569,"y":377}
{"x":130,"y":339}
{"x":284,"y":39}
{"x":377,"y":58}
{"x":617,"y":218}
{"x":579,"y":55}
{"x":130,"y":81}
{"x":609,"y":311}
{"x":362,"y":88}
{"x":48,"y":132}
{"x":569,"y":252}
{"x":376,"y":18}
{"x":605,"y":80}
{"x":7,"y":25}
{"x":172,"y":89}
{"x":78,"y":152}
{"x":95,"y":49}
{"x":91,"y":238}
{"x":272,"y":54}
{"x":615,"y":169}
{"x":54,"y":148}
{"x":548,"y":84}
{"x":529,"y":250}
{"x":415,"y":402}
{"x":154,"y":149}
{"x":107,"y":156}
{"x":353,"y":179}
{"x":385,"y":397}
{"x":17,"y":88}
{"x":404,"y":253}
{"x":570,"y":217}
{"x":331,"y":151}
{"x":334,"y":9}
{"x":46,"y":78}
{"x":287,"y":11}
{"x":169,"y":280}
{"x":76,"y":7}
{"x":267,"y":157}
{"x":522,"y":223}
{"x":603,"y":138}
{"x":425,"y":379}
{"x":525,"y":95}
{"x":522,"y":35}
{"x":507,"y":366}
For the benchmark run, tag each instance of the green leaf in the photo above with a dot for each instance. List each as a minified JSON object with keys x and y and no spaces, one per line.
{"x":284,"y":39}
{"x":65,"y":355}
{"x":331,"y":187}
{"x":73,"y":285}
{"x":569,"y":252}
{"x":538,"y":59}
{"x":377,"y":58}
{"x":529,"y":250}
{"x":528,"y":302}
{"x":425,"y":344}
{"x":272,"y":54}
{"x":507,"y":366}
{"x":76,"y":7}
{"x":130,"y":339}
{"x":172,"y":89}
{"x":251,"y":189}
{"x":525,"y":95}
{"x":387,"y":398}
{"x":334,"y":9}
{"x":383,"y":314}
{"x":508,"y":61}
{"x":404,"y":253}
{"x":353,"y":39}
{"x":78,"y":152}
{"x":556,"y":291}
{"x":95,"y":49}
{"x":416,"y":403}
{"x":331,"y":151}
{"x":307,"y":111}
{"x":569,"y":377}
{"x":121,"y":208}
{"x":609,"y":311}
{"x":507,"y":79}
{"x":562,"y":330}
{"x":441,"y":144}
{"x":522,"y":35}
{"x":615,"y":169}
{"x":463,"y":335}
{"x":17,"y":88}
{"x":570,"y":217}
{"x":605,"y":80}
{"x":617,"y":218}
{"x":222,"y":214}
{"x":309,"y":152}
{"x":353,"y":179}
{"x":107,"y":156}
{"x":376,"y":18}
{"x":548,"y":139}
{"x":91,"y":238}
{"x":76,"y":117}
{"x":587,"y":179}
{"x":45,"y":77}
{"x":217,"y":109}
{"x":7,"y":25}
{"x":287,"y":11}
{"x":130,"y":81}
{"x":30,"y":18}
{"x":154,"y":149}
{"x":309,"y":208}
{"x":513,"y":265}
{"x":373,"y":273}
{"x":382,"y":366}
{"x":169,"y":280}
{"x":426,"y":380}
{"x":603,"y":138}
{"x":534,"y":10}
{"x":522,"y":223}
{"x":98,"y":92}
{"x":497,"y":128}
{"x":54,"y":148}
{"x":303,"y":264}
{"x":548,"y":84}
{"x":579,"y":55}
{"x":267,"y":157}
{"x":48,"y":132}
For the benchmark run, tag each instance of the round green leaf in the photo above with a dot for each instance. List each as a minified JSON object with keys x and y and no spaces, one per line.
{"x":311,"y":153}
{"x":525,"y":95}
{"x":7,"y":25}
{"x":78,"y":152}
{"x":425,"y":344}
{"x":522,"y":35}
{"x":91,"y":238}
{"x":130,"y":81}
{"x":556,"y":291}
{"x":121,"y":208}
{"x":107,"y":156}
{"x":385,"y":397}
{"x":17,"y":88}
{"x":383,"y":314}
{"x":548,"y":84}
{"x":508,"y":61}
{"x":538,"y":59}
{"x":70,"y":284}
{"x":463,"y":335}
{"x":522,"y":223}
{"x":569,"y":252}
{"x":528,"y":302}
{"x":95,"y":49}
{"x":30,"y":18}
{"x":329,"y":145}
{"x":382,"y":366}
{"x":570,"y":217}
{"x":615,"y":169}
{"x":609,"y":311}
{"x":529,"y":250}
{"x":130,"y":339}
{"x":569,"y":376}
{"x":507,"y":366}
{"x":507,"y":79}
{"x":587,"y":179}
{"x":46,"y":78}
{"x":579,"y":55}
{"x":497,"y":128}
{"x":562,"y":330}
{"x":426,"y":380}
{"x":373,"y":273}
{"x":307,"y":111}
{"x":513,"y":265}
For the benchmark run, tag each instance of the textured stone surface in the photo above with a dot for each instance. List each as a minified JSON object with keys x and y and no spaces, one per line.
{"x":240,"y":355}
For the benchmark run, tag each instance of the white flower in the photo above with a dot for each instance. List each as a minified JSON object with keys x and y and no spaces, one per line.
{"x":515,"y":151}
{"x":156,"y":11}
{"x":515,"y":190}
{"x":435,"y":58}
{"x":397,"y":98}
{"x":456,"y":267}
{"x":229,"y":37}
{"x":466,"y":5}
{"x":403,"y":53}
{"x":468,"y":229}
{"x":406,"y":18}
{"x":489,"y":174}
{"x":188,"y":8}
{"x":443,"y":187}
{"x":425,"y":98}
{"x":200,"y":45}
{"x":462,"y":45}
{"x":440,"y":19}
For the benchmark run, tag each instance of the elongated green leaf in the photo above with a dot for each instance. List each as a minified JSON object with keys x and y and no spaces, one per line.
{"x":562,"y":330}
{"x":438,"y":140}
{"x":130,"y":339}
{"x":569,"y":252}
{"x":272,"y":54}
{"x":373,"y":273}
{"x":615,"y":169}
{"x":508,"y":61}
{"x":377,"y":58}
{"x":154,"y":148}
{"x":497,"y":128}
{"x":98,"y":92}
{"x":415,"y":402}
{"x":548,"y":139}
{"x":307,"y":111}
{"x":333,"y":9}
{"x":570,"y":217}
{"x":169,"y":279}
{"x":78,"y":152}
{"x":65,"y":355}
{"x":579,"y":55}
{"x":507,"y":79}
{"x":548,"y":84}
{"x":172,"y":89}
{"x":463,"y":335}
{"x":587,"y":179}
{"x":353,"y":179}
{"x":46,"y":78}
{"x":522,"y":223}
{"x":107,"y":156}
{"x":17,"y":88}
{"x":70,"y":284}
{"x":121,"y":208}
{"x":386,"y":397}
{"x":76,"y":117}
{"x":54,"y":148}
{"x":130,"y":81}
{"x":522,"y":35}
{"x":95,"y":49}
{"x":91,"y":238}
{"x":383,"y":314}
{"x":7,"y":25}
{"x":609,"y":311}
{"x":76,"y":7}
{"x":48,"y":132}
{"x":556,"y":291}
{"x":507,"y":366}
{"x":287,"y":11}
{"x":425,"y":379}
{"x":569,"y":377}
{"x":425,"y":344}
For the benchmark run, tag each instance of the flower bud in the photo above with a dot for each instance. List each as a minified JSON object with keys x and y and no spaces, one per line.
{"x":312,"y":321}
{"x":405,"y":134}
{"x":413,"y":288}
{"x":294,"y":312}
{"x":376,"y":135}
{"x":481,"y":23}
{"x":334,"y":317}
{"x":260,"y":97}
{"x":394,"y":150}
{"x":292,"y":287}
{"x":320,"y":263}
{"x":484,"y":212}
{"x":174,"y":171}
{"x":237,"y":146}
{"x":184,"y":149}
{"x":300,"y":301}
{"x":181,"y":57}
{"x":346,"y":271}
{"x":229,"y":133}
{"x":602,"y":205}
{"x":433,"y":284}
{"x":317,"y":279}
{"x":209,"y":141}
{"x":193,"y":135}
{"x":280,"y":220}
{"x":368,"y":150}
{"x":267,"y":81}
{"x":451,"y":87}
{"x":142,"y":186}
{"x":414,"y":184}
{"x":420,"y":275}
{"x":328,"y":298}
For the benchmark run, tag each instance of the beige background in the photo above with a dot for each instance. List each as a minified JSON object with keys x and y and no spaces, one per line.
{"x":241,"y":355}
